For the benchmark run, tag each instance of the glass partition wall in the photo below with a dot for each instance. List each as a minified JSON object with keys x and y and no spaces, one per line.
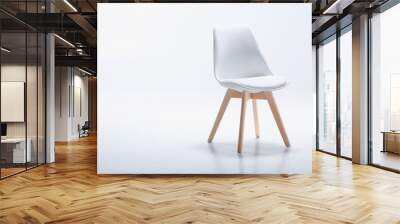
{"x":13,"y":90}
{"x":385,"y":89}
{"x":334,"y":105}
{"x":22,"y":90}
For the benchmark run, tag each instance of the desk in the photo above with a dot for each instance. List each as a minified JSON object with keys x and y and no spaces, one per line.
{"x":391,"y":141}
{"x":15,"y":148}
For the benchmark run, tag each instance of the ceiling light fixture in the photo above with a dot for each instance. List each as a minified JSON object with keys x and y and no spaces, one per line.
{"x":80,"y":51}
{"x":326,"y":11}
{"x":5,"y":50}
{"x":84,"y":71}
{"x":65,"y":41}
{"x":337,"y":7}
{"x":70,"y":5}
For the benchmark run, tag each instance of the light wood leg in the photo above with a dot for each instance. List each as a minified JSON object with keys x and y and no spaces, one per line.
{"x":245,"y":97}
{"x":255,"y":115}
{"x":221,"y":112}
{"x":277,"y":117}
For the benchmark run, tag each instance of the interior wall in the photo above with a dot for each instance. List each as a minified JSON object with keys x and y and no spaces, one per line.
{"x":62,"y":78}
{"x":16,"y":72}
{"x":80,"y":109}
{"x":71,"y":102}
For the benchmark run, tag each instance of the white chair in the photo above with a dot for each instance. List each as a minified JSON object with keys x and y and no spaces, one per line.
{"x":240,"y":67}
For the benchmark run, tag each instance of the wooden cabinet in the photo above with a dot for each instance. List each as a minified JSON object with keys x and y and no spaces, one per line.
{"x":391,"y":142}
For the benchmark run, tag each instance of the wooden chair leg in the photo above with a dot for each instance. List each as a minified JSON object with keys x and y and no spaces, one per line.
{"x":255,"y":115}
{"x":245,"y":97}
{"x":221,"y":112}
{"x":277,"y":117}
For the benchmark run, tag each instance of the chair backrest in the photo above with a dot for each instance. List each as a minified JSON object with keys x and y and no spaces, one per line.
{"x":236,"y":54}
{"x":86,"y":125}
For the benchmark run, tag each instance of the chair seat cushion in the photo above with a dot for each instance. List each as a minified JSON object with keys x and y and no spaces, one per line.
{"x":255,"y":84}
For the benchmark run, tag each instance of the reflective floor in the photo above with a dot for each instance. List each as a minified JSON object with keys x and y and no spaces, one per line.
{"x":70,"y":191}
{"x":387,"y":159}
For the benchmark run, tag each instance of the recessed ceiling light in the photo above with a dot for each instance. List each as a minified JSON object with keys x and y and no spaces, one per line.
{"x":65,"y":41}
{"x":70,"y":5}
{"x":84,"y":71}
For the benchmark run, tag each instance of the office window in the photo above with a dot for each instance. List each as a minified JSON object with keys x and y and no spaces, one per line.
{"x":385,"y":89}
{"x":346,"y":93}
{"x":327,"y":96}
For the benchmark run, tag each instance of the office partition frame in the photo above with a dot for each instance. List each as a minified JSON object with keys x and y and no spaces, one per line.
{"x":29,"y":30}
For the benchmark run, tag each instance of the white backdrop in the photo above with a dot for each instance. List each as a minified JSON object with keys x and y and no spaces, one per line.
{"x":158,"y":99}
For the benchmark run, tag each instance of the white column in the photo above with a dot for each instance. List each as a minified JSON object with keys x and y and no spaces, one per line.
{"x":50,"y":100}
{"x":50,"y":92}
{"x":360,"y":90}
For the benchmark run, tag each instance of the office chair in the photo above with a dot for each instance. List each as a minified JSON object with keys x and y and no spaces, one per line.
{"x":84,"y":129}
{"x":240,"y":67}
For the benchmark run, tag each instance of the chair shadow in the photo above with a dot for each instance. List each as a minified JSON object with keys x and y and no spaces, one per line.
{"x":250,"y":149}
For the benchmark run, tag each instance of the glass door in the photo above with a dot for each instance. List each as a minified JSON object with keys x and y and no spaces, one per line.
{"x":326,"y":59}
